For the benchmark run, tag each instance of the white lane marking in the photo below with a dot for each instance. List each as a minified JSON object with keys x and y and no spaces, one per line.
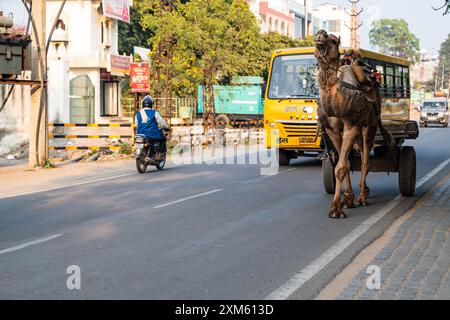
{"x":293,"y":284}
{"x":187,"y":198}
{"x":30,"y":244}
{"x":430,"y":174}
{"x":75,"y":184}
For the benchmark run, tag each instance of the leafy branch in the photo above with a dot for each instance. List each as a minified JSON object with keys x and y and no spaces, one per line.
{"x":445,"y":5}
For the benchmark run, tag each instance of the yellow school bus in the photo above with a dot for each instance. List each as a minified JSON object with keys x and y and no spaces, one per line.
{"x":290,"y":110}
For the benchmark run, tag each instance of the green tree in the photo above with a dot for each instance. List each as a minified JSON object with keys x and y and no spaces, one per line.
{"x":443,"y":68}
{"x":393,"y":37}
{"x":163,"y":16}
{"x":205,"y":42}
{"x":133,"y":34}
{"x":224,"y":37}
{"x":273,"y":41}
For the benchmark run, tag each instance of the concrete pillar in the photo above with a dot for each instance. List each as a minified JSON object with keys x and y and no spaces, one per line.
{"x":39,"y":16}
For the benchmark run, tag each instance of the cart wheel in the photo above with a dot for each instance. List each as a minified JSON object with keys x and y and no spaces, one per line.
{"x":329,"y":180}
{"x":407,"y":171}
{"x":283,"y":158}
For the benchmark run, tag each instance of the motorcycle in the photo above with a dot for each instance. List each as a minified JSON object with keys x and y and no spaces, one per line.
{"x":147,"y":151}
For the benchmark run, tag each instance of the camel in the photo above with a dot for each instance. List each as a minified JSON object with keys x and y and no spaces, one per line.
{"x":349,"y":113}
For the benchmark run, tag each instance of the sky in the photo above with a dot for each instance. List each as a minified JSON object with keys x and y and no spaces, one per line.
{"x":430,"y":26}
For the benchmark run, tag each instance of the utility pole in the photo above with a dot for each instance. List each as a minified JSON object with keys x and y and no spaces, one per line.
{"x":355,"y":24}
{"x":38,"y":95}
{"x":306,"y":18}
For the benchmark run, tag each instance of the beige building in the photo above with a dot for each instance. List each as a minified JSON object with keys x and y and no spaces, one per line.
{"x":424,"y":70}
{"x":287,"y":17}
{"x":83,"y":79}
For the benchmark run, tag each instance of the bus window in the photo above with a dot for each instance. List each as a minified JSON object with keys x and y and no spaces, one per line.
{"x":406,"y":82}
{"x":383,"y":88}
{"x":399,"y":82}
{"x":390,"y":81}
{"x":371,"y":63}
{"x":406,"y":72}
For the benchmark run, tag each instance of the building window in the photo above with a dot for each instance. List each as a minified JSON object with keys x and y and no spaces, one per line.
{"x":334,"y":25}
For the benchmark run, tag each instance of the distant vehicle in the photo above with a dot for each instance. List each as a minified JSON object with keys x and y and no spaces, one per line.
{"x":242,"y":100}
{"x":434,"y":111}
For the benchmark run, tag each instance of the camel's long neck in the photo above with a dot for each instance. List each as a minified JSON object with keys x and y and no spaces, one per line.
{"x":327,"y":75}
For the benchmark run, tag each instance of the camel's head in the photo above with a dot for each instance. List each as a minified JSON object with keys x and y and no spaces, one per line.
{"x":327,"y":47}
{"x":321,"y":39}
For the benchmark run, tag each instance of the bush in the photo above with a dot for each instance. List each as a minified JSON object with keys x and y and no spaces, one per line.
{"x":125,"y":148}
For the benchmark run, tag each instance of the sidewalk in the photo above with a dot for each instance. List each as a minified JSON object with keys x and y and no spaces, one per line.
{"x":413,"y":256}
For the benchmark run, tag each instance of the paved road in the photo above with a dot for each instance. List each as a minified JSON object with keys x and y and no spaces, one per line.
{"x":194,"y":232}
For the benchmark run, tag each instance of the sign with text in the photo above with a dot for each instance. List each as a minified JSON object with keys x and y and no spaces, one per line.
{"x":120,"y":65}
{"x":117,"y":9}
{"x":140,"y":77}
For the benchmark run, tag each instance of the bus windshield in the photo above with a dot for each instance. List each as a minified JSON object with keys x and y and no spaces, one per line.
{"x":293,"y":76}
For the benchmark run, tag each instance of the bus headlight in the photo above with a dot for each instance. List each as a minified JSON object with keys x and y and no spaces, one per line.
{"x":272,"y":124}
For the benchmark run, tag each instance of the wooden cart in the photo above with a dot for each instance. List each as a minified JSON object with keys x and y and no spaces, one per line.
{"x":389,"y":155}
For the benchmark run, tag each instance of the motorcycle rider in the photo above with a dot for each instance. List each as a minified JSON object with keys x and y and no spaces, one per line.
{"x":147,"y":121}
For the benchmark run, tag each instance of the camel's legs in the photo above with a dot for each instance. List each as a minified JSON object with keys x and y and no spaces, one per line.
{"x":342,"y":169}
{"x":365,"y":154}
{"x":349,"y":197}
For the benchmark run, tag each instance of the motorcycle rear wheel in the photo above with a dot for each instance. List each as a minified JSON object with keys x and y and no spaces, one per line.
{"x":161,"y":163}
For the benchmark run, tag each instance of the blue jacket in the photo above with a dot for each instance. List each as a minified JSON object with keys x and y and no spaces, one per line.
{"x":148,"y":127}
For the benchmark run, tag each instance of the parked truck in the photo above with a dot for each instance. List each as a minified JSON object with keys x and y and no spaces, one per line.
{"x":242,"y":100}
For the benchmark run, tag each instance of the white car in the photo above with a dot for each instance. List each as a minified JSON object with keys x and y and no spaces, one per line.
{"x":434,"y":111}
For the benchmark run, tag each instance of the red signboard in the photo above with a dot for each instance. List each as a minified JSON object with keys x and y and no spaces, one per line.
{"x":140,"y":77}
